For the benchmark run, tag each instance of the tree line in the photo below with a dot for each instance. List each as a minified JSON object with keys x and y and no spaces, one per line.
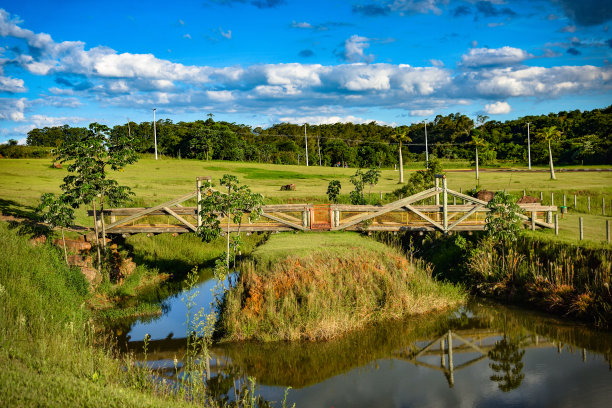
{"x":585,"y":138}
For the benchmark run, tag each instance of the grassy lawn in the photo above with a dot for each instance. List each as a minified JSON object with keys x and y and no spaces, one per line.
{"x":22,"y":181}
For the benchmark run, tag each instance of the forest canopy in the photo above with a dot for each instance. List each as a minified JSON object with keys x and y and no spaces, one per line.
{"x":586,"y":139}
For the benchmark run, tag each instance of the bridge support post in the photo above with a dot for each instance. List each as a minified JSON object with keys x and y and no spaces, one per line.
{"x":451,"y":367}
{"x":198,"y":199}
{"x":444,"y":205}
{"x":533,"y":220}
{"x":437,"y":187}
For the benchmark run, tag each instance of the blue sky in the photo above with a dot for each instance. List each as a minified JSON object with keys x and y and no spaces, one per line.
{"x":261,"y":62}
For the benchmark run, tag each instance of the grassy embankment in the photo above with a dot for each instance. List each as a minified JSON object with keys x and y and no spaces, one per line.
{"x":47,"y":338}
{"x":317,"y":286}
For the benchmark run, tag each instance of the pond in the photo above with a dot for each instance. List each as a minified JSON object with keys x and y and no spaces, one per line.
{"x":483,"y":354}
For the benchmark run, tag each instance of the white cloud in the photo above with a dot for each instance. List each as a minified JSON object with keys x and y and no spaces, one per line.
{"x":226,"y":34}
{"x":488,"y":57}
{"x":497,"y":108}
{"x":188,"y":36}
{"x":12,"y":109}
{"x":220,"y":96}
{"x":326,"y":120}
{"x":303,"y":24}
{"x":354,"y":49}
{"x":436,"y":62}
{"x":12,"y":85}
{"x":422,"y":112}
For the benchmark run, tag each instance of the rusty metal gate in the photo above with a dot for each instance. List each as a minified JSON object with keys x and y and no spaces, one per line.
{"x":320,"y":217}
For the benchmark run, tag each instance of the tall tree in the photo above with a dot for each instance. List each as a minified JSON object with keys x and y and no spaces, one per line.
{"x":550,"y":134}
{"x":89,"y":156}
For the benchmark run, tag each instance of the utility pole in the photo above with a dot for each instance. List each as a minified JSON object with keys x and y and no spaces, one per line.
{"x":528,"y":147}
{"x":319,"y":146}
{"x":306,"y":139}
{"x":426,"y":152}
{"x":155,"y":132}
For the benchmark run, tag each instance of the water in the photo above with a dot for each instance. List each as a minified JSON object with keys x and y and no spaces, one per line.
{"x":501,"y":357}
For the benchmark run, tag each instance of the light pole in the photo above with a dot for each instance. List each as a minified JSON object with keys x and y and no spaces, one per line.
{"x":155,"y":132}
{"x":306,"y":139}
{"x":528,"y":147}
{"x":426,"y":152}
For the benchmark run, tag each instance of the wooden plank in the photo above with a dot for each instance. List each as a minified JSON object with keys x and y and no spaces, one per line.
{"x":181,"y":219}
{"x":389,"y":207}
{"x":291,"y":224}
{"x":149,"y":210}
{"x":426,"y":218}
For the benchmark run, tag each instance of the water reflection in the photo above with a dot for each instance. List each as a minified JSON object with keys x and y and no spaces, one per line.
{"x":484,"y":354}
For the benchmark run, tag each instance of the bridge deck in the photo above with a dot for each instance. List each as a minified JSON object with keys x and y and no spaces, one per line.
{"x":414,"y":213}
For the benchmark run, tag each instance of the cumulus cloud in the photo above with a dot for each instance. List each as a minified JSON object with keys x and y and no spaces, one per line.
{"x":353,"y":49}
{"x":490,"y":57}
{"x":402,"y":7}
{"x":497,"y":108}
{"x":12,"y":85}
{"x":226,"y":34}
{"x":12,"y":109}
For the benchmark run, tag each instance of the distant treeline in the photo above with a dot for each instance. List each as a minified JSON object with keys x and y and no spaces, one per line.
{"x":586,"y":139}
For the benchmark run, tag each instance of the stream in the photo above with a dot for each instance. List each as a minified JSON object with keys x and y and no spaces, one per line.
{"x":480,"y":355}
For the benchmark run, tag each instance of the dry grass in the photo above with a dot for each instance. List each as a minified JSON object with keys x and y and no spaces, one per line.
{"x":320,"y":297}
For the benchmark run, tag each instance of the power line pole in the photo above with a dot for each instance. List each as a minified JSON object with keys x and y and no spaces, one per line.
{"x":426,"y":152}
{"x":319,"y":146}
{"x":528,"y":147}
{"x":306,"y":139}
{"x":155,"y":132}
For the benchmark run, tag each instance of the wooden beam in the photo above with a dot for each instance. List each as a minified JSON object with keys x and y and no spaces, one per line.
{"x":289,"y":223}
{"x":181,"y":219}
{"x":389,"y":207}
{"x":151,"y":209}
{"x":472,"y":211}
{"x":426,"y":218}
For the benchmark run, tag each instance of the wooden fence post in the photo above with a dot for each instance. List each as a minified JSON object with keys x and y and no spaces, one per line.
{"x":589,"y":204}
{"x":533,"y":220}
{"x":437,"y":195}
{"x":198,"y":199}
{"x":603,"y":206}
{"x":305,"y":218}
{"x":564,"y":201}
{"x":541,"y":197}
{"x":549,"y":217}
{"x":575,"y":202}
{"x":556,"y":224}
{"x":580,"y":225}
{"x":444,"y":205}
{"x":524,"y":193}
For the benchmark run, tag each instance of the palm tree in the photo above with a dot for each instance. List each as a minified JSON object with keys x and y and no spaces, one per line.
{"x":550,"y":134}
{"x":401,"y":136}
{"x":477,"y":142}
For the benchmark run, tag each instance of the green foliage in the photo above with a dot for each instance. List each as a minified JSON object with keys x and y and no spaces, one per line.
{"x":357,"y":180}
{"x":55,"y":211}
{"x":231,"y":205}
{"x":333,"y":190}
{"x":502,"y":222}
{"x":421,"y":180}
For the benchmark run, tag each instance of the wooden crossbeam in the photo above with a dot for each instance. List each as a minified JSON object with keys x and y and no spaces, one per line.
{"x":289,"y":223}
{"x":426,"y":218}
{"x":181,"y":219}
{"x":151,"y":209}
{"x":389,"y":207}
{"x":472,"y":211}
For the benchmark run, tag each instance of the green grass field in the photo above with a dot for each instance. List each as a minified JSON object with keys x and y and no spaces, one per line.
{"x":22,"y":181}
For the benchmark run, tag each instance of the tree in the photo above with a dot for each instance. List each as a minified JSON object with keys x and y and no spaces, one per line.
{"x":503,"y":222}
{"x":550,"y":134}
{"x":401,"y":136}
{"x":371,"y":177}
{"x":507,"y":360}
{"x":333,"y":190}
{"x":357,"y":194}
{"x":57,"y":212}
{"x":231,"y":205}
{"x":89,"y":156}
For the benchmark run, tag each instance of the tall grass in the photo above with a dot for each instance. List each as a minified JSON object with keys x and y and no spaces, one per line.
{"x":326,"y":292}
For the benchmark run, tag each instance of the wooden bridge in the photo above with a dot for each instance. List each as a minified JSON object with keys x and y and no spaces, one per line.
{"x":428,"y":210}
